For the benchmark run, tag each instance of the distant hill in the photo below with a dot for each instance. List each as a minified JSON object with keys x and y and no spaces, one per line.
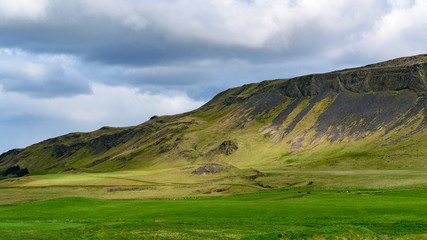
{"x":371,"y":117}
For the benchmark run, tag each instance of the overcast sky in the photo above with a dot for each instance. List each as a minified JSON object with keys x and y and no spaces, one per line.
{"x":79,"y":65}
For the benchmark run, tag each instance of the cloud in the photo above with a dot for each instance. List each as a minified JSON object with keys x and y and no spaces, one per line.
{"x":23,"y":9}
{"x":107,"y":105}
{"x":161,"y":31}
{"x":248,"y":24}
{"x":167,"y":33}
{"x":43,"y":76}
{"x":400,"y":32}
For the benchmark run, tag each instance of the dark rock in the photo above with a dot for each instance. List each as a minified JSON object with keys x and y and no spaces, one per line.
{"x":310,"y":85}
{"x":64,"y":150}
{"x":355,"y":81}
{"x":285,"y":113}
{"x":228,"y":147}
{"x":70,"y":169}
{"x":292,"y":90}
{"x":336,"y":85}
{"x":343,"y":118}
{"x":106,"y":141}
{"x":208,"y":169}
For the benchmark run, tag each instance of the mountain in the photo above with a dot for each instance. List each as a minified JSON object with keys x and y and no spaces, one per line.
{"x":371,"y":117}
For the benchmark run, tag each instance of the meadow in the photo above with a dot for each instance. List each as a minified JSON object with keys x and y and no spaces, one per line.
{"x":239,"y":203}
{"x":303,"y":213}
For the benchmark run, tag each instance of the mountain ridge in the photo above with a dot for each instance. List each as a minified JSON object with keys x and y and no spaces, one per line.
{"x":382,"y":103}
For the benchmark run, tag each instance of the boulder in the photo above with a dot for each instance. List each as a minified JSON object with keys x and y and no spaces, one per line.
{"x":228,"y":147}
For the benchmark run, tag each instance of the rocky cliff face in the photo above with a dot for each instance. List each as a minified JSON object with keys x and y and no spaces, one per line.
{"x":382,"y":103}
{"x":349,"y":104}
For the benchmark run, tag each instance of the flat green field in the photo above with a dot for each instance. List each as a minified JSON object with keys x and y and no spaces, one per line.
{"x":234,"y":204}
{"x":271,"y":214}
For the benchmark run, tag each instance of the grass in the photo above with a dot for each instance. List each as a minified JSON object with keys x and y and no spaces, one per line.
{"x":160,"y":183}
{"x":375,"y":179}
{"x":274,"y":214}
{"x":172,"y":204}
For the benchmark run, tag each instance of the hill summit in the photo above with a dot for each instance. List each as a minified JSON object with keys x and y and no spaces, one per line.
{"x":371,"y":117}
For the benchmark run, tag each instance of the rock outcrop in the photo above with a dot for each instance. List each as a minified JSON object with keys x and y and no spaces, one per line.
{"x":228,"y":147}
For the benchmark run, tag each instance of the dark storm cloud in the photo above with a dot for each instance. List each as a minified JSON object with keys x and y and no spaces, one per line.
{"x":120,"y":46}
{"x":104,"y":37}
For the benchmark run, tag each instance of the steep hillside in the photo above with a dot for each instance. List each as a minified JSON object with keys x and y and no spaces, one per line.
{"x":372,"y":117}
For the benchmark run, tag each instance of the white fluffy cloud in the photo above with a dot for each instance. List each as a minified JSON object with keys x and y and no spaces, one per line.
{"x":251,"y":24}
{"x":400,"y":32}
{"x":116,"y":106}
{"x":331,"y":28}
{"x":23,"y":9}
{"x":320,"y":28}
{"x":44,"y":75}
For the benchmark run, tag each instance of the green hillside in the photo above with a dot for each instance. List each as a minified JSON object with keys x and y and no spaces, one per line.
{"x":362,"y":118}
{"x":334,"y":129}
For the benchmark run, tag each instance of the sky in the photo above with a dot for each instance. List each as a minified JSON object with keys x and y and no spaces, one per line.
{"x":75,"y":66}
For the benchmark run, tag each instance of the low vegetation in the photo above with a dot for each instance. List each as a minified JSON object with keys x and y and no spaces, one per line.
{"x":273,"y":214}
{"x":219,"y":202}
{"x":14,"y":171}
